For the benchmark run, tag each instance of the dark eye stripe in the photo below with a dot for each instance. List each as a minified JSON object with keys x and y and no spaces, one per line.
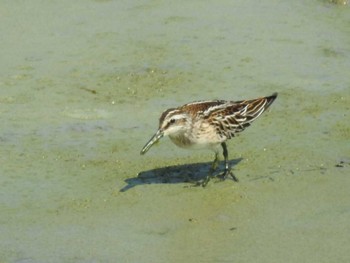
{"x":172,"y":121}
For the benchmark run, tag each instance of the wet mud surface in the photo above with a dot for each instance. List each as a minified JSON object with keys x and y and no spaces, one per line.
{"x":82,"y":87}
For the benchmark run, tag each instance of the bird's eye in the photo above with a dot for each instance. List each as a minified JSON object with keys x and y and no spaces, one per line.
{"x":172,"y":121}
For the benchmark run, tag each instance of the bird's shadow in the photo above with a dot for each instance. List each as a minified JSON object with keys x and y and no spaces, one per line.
{"x":186,"y":173}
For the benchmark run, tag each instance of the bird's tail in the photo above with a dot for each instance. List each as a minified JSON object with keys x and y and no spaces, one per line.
{"x":270,"y":99}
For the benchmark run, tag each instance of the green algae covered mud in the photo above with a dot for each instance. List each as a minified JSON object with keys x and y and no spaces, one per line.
{"x":82,"y":84}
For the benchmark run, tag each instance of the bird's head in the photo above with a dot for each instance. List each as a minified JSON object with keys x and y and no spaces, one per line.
{"x":172,"y":122}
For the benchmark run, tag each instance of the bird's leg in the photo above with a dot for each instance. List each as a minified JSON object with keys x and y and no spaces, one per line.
{"x":213,"y":167}
{"x":215,"y":163}
{"x":227,"y":166}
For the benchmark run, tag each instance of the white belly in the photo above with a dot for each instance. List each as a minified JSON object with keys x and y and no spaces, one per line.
{"x":205,"y":141}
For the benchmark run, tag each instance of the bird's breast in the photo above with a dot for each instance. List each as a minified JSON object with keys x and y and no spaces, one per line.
{"x":181,"y":140}
{"x":196,"y":140}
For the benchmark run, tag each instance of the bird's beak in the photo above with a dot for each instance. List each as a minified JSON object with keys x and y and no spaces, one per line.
{"x":155,"y":138}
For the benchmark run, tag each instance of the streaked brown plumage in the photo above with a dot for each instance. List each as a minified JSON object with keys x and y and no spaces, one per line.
{"x":209,"y":124}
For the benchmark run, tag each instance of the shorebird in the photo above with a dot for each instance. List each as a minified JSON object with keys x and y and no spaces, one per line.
{"x":209,"y":124}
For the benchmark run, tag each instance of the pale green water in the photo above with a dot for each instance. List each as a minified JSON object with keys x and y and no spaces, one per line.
{"x":82,"y":86}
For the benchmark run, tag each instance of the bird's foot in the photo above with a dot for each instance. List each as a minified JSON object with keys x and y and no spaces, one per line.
{"x":203,"y":182}
{"x":223,"y":176}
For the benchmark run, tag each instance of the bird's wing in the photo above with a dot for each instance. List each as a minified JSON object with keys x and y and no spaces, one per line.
{"x":235,"y":116}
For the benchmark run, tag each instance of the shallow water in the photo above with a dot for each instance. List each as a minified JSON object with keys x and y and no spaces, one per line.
{"x":82,"y":86}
